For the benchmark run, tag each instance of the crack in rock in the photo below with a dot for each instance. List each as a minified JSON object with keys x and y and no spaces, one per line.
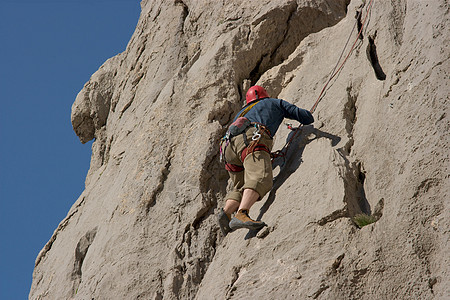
{"x":164,"y":173}
{"x":350,"y":118}
{"x":373,"y":58}
{"x":188,"y":264}
{"x":61,"y":226}
{"x":337,"y":214}
{"x":294,"y":25}
{"x":231,"y":288}
{"x":321,"y":289}
{"x":80,"y":254}
{"x":337,"y":262}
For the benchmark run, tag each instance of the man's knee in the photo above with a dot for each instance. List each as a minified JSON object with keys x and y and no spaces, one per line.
{"x":235,"y":195}
{"x":262,"y":187}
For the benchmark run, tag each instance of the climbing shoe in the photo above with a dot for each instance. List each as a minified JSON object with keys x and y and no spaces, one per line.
{"x":242,"y":220}
{"x":224,"y":220}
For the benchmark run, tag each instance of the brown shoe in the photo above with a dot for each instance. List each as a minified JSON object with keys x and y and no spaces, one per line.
{"x":242,"y":220}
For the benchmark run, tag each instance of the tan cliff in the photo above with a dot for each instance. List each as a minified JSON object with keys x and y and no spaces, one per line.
{"x":145,"y":226}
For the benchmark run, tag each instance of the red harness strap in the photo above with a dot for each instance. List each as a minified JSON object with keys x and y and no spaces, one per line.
{"x":245,"y":152}
{"x":233,"y":168}
{"x":257,"y":147}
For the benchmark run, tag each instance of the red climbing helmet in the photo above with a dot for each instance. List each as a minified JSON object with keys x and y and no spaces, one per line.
{"x":256,"y":92}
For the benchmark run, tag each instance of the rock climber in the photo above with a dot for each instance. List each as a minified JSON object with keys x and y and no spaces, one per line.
{"x":246,"y":150}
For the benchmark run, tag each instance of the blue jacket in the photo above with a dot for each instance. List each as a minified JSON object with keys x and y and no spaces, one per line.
{"x":271,"y":112}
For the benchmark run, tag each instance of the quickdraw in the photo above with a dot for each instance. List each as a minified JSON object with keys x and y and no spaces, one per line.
{"x":282,"y":152}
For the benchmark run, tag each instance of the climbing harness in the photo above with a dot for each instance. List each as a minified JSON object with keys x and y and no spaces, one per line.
{"x":249,"y":106}
{"x":237,"y":127}
{"x":240,"y":126}
{"x":250,"y":148}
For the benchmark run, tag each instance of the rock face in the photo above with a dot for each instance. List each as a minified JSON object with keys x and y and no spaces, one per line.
{"x":145,"y":226}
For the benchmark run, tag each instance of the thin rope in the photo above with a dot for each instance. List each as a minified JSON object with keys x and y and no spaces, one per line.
{"x":334,"y":73}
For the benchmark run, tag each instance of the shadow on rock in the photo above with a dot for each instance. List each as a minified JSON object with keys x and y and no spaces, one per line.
{"x":291,"y":161}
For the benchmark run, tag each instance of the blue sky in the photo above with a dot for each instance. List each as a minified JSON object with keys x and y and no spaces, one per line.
{"x":49,"y":49}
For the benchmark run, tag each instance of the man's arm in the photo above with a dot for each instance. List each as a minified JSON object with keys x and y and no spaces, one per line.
{"x":296,"y":113}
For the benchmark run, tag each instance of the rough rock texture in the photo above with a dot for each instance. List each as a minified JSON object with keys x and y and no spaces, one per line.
{"x":145,"y":226}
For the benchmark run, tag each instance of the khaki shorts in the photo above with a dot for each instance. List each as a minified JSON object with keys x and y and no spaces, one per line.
{"x":257,"y":174}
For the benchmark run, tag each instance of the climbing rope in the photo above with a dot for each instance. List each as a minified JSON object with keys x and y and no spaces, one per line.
{"x":282,"y":153}
{"x":333,"y":73}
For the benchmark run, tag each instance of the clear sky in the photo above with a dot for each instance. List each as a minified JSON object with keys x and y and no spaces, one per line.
{"x":48,"y":51}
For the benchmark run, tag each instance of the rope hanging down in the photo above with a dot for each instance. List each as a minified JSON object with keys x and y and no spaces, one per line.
{"x":334,"y":72}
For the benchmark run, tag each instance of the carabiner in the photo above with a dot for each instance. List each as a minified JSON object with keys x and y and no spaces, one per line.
{"x":256,"y":136}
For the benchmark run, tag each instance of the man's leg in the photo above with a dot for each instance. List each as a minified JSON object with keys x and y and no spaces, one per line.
{"x":231,"y":206}
{"x":249,"y":197}
{"x":232,"y":203}
{"x":257,"y":182}
{"x":242,"y":219}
